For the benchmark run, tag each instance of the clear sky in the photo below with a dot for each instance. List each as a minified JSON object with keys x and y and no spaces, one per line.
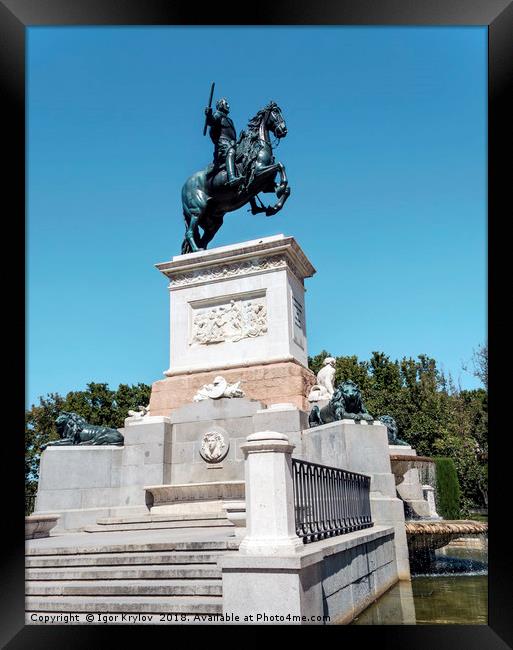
{"x":385,"y":153}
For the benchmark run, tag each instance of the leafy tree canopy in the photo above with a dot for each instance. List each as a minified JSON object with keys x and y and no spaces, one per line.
{"x":433,"y":415}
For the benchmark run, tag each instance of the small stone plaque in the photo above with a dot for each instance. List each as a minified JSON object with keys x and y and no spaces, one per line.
{"x":298,"y":322}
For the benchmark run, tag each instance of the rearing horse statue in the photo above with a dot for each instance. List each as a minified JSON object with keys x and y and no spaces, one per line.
{"x":206,"y":197}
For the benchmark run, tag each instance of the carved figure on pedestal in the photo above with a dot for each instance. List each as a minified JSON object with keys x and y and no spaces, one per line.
{"x":143,"y":412}
{"x":217,"y":389}
{"x":74,"y":430}
{"x":324,"y":389}
{"x":232,"y":322}
{"x":223,"y":135}
{"x":345,"y":404}
{"x":214,"y":447}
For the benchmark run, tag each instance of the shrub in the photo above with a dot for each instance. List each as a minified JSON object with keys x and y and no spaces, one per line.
{"x":447,"y":489}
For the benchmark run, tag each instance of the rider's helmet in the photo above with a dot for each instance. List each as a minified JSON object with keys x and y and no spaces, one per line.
{"x":222,"y":105}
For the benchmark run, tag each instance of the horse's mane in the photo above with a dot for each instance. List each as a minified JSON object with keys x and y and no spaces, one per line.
{"x":254,"y":122}
{"x":74,"y":424}
{"x":248,"y":144}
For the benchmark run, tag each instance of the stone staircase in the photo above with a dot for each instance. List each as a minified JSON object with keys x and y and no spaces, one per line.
{"x":155,"y":578}
{"x":153,"y":522}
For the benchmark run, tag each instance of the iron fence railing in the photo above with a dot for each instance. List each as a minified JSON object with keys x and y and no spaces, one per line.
{"x":329,"y":501}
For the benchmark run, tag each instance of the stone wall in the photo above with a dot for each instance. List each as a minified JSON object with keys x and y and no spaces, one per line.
{"x":362,"y":448}
{"x":82,"y":484}
{"x":337,"y":578}
{"x":79,"y":483}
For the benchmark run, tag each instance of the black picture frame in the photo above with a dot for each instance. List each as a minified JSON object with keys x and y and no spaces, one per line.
{"x":15,"y":17}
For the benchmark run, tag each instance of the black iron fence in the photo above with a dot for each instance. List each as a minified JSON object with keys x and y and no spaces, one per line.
{"x":329,"y":501}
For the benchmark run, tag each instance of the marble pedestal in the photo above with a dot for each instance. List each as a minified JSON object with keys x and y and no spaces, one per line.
{"x":238,"y":311}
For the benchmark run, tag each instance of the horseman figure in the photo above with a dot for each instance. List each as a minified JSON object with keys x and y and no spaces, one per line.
{"x":210,"y":193}
{"x":223,"y":135}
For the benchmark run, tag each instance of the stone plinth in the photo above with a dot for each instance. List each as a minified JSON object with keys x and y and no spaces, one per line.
{"x":79,"y":483}
{"x":270,"y":383}
{"x":84,"y":483}
{"x":238,"y":311}
{"x":39,"y":525}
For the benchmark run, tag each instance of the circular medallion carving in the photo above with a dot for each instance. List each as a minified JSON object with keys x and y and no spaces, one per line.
{"x":214,"y":447}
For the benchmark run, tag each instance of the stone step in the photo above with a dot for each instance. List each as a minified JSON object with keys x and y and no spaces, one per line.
{"x":145,"y":572}
{"x":137,"y":519}
{"x":158,"y":525}
{"x":124,"y":559}
{"x":125,"y":604}
{"x":124,"y":588}
{"x":193,"y":546}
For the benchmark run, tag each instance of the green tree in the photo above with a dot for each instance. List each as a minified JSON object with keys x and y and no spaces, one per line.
{"x":39,"y":430}
{"x":447,"y":488}
{"x":97,"y":404}
{"x":434,"y":416}
{"x":480,"y":364}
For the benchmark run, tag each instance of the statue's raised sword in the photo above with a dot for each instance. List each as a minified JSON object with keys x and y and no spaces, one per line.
{"x":209,"y":105}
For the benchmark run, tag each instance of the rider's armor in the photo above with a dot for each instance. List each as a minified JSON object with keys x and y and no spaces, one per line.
{"x":223,"y":135}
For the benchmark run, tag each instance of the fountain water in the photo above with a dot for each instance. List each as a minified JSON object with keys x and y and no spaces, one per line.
{"x":426,"y":531}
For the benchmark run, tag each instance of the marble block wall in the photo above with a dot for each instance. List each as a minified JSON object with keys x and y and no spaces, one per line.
{"x":235,"y":419}
{"x":82,"y":483}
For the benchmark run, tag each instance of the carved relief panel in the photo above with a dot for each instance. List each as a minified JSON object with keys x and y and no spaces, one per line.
{"x":232,"y":319}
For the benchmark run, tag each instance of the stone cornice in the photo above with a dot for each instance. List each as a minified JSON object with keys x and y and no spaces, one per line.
{"x":267,"y":254}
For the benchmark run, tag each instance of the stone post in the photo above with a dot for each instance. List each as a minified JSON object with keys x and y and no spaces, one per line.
{"x":146,"y":459}
{"x":269,"y":496}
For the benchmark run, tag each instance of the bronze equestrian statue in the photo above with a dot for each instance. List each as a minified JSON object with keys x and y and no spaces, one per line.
{"x":223,"y":135}
{"x":239,"y":172}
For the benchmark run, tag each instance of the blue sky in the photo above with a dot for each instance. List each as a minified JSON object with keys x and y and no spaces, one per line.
{"x":385,"y":153}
